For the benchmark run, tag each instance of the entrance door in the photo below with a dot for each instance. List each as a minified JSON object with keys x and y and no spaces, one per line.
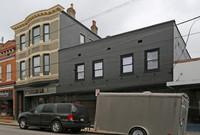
{"x":20,"y":102}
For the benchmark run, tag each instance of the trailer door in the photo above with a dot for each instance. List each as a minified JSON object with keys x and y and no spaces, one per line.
{"x":183,"y":118}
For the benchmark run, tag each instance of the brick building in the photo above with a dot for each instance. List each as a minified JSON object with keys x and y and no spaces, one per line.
{"x":38,"y":39}
{"x":7,"y":79}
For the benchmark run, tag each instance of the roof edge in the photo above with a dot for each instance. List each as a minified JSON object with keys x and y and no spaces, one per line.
{"x":187,"y":60}
{"x":29,"y":18}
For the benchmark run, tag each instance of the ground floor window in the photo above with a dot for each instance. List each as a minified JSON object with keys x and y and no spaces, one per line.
{"x":36,"y":100}
{"x":6,"y":108}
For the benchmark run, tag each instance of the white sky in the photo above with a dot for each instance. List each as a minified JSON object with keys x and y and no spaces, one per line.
{"x":135,"y":15}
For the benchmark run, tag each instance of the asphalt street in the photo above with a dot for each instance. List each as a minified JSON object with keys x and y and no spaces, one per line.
{"x":15,"y":130}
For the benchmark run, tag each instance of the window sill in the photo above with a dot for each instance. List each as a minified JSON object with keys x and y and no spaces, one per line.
{"x":97,"y":78}
{"x":126,"y":74}
{"x":152,"y":71}
{"x":81,"y":80}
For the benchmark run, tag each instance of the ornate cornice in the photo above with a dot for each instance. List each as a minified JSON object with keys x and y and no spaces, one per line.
{"x":56,"y":9}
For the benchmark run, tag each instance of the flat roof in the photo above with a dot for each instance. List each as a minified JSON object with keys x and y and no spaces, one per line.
{"x":181,"y":83}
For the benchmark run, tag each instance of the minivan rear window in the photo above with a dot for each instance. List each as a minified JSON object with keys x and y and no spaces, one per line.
{"x":63,"y":108}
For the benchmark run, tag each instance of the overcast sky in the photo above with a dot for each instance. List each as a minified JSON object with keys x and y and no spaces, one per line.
{"x":134,"y":15}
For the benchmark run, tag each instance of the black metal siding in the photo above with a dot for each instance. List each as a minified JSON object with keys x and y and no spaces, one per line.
{"x":110,"y":49}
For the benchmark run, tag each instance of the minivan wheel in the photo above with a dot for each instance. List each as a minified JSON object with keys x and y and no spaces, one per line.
{"x":23,"y":123}
{"x":138,"y":131}
{"x":76,"y":130}
{"x":56,"y":127}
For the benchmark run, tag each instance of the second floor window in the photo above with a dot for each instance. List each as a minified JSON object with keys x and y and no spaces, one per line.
{"x":8,"y":72}
{"x":98,"y":69}
{"x":22,"y":42}
{"x":36,"y":35}
{"x":29,"y":67}
{"x":82,"y":39}
{"x":22,"y":70}
{"x":46,"y":64}
{"x":36,"y":66}
{"x":46,"y":33}
{"x":127,"y":64}
{"x":152,"y":59}
{"x":29,"y":38}
{"x":80,"y":72}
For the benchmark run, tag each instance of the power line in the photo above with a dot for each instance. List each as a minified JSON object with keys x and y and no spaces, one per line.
{"x":195,"y":20}
{"x":189,"y":20}
{"x":107,"y":11}
{"x":139,"y":37}
{"x":110,"y":10}
{"x":104,"y":12}
{"x":95,"y":52}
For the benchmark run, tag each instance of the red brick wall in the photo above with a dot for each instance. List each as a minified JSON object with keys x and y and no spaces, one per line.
{"x":5,"y":55}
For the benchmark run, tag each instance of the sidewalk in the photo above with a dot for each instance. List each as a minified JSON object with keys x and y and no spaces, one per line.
{"x":9,"y":122}
{"x":15,"y":123}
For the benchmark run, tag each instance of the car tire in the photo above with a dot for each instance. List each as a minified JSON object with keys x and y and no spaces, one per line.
{"x":23,"y":123}
{"x":76,"y":130}
{"x":56,"y":126}
{"x":137,"y":131}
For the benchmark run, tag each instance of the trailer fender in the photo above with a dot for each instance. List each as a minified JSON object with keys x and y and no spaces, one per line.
{"x":139,"y":129}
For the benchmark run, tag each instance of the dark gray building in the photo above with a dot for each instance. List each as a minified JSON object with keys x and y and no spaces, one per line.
{"x":136,"y":61}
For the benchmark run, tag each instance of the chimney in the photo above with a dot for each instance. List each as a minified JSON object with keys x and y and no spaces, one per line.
{"x":94,"y":27}
{"x":71,"y":11}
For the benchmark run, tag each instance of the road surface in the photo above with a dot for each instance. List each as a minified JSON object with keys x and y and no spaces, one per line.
{"x":15,"y":130}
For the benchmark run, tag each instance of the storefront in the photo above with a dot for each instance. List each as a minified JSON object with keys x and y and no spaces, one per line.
{"x":6,"y":104}
{"x":35,"y":97}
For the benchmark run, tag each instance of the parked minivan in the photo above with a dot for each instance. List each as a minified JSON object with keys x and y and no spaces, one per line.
{"x":56,"y":116}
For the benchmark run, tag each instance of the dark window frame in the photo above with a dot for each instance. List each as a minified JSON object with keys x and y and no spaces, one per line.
{"x":146,"y":61}
{"x":76,"y":72}
{"x":93,"y":68}
{"x":121,"y":64}
{"x":33,"y":36}
{"x":34,"y":67}
{"x":22,"y":44}
{"x":24,"y":70}
{"x":46,"y":72}
{"x":44,"y":34}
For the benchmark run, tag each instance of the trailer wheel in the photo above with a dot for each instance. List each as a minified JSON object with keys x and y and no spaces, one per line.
{"x":137,"y":131}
